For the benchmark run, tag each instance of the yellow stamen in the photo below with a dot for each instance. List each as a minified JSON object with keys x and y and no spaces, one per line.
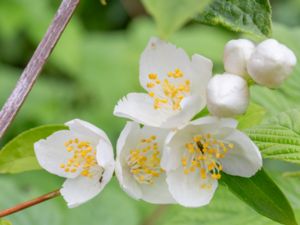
{"x":202,"y":154}
{"x":144,"y":161}
{"x":84,"y":156}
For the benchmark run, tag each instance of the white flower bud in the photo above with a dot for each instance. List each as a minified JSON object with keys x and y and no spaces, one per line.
{"x":271,"y":63}
{"x":227,"y":95}
{"x":236,"y":55}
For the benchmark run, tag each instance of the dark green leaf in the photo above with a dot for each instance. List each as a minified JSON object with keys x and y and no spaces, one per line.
{"x":225,"y":208}
{"x":250,"y":16}
{"x":263,"y":195}
{"x":18,"y":155}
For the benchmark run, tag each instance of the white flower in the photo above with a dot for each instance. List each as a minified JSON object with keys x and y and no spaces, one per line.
{"x":175,"y":85}
{"x":138,"y":163}
{"x":271,"y":63}
{"x":236,"y":56}
{"x":83,"y":155}
{"x":196,"y":154}
{"x":227,"y":95}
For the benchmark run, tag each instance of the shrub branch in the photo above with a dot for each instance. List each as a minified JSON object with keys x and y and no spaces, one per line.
{"x":36,"y":63}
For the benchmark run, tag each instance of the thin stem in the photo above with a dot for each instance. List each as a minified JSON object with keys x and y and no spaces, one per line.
{"x":155,"y":215}
{"x":36,"y":63}
{"x":30,"y":203}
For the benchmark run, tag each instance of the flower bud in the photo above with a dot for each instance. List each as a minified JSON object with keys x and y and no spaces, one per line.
{"x":227,"y":95}
{"x":236,"y":55}
{"x":271,"y":63}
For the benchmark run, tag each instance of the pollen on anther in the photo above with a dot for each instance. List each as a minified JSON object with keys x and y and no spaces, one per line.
{"x":152,"y":76}
{"x":202,"y":154}
{"x":174,"y":92}
{"x":144,"y":161}
{"x":83,"y":157}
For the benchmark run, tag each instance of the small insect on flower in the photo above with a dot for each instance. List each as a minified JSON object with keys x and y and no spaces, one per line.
{"x":83,"y":155}
{"x":175,"y":85}
{"x":138,"y":168}
{"x":196,"y":154}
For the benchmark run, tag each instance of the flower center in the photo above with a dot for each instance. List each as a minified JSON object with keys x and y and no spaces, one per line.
{"x":203,"y":155}
{"x":168,"y":93}
{"x":144,"y":161}
{"x":84,"y":157}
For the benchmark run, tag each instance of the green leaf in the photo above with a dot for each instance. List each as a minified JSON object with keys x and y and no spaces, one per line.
{"x":279,"y":137}
{"x":254,"y":116}
{"x":249,"y":16}
{"x":170,"y":15}
{"x":226,"y":208}
{"x":18,"y":155}
{"x":263,"y":195}
{"x":291,"y":174}
{"x":5,"y":222}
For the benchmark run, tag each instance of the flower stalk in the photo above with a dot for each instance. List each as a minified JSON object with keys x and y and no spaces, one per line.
{"x":36,"y":63}
{"x":30,"y":203}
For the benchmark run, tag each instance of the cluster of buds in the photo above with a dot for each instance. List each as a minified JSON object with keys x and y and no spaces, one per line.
{"x":268,"y":64}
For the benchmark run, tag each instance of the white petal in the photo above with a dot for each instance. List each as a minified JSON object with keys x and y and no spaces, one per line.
{"x":51,"y":153}
{"x":128,"y":135}
{"x":130,"y":139}
{"x":236,"y":56}
{"x":244,"y":159}
{"x":81,"y":189}
{"x":86,"y":130}
{"x":171,"y":155}
{"x":105,"y":154}
{"x":161,"y":57}
{"x":127,"y":182}
{"x":227,"y":95}
{"x":105,"y":158}
{"x":224,"y":122}
{"x":190,"y":106}
{"x":202,"y":72}
{"x":139,"y":108}
{"x":158,"y":192}
{"x":271,"y":63}
{"x":186,"y":189}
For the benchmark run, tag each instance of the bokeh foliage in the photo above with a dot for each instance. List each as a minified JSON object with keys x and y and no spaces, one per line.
{"x":96,"y":63}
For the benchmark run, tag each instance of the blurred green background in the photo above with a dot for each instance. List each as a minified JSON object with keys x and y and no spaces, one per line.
{"x":94,"y":64}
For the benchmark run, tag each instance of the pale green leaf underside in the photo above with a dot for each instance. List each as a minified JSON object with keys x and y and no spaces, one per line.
{"x":5,"y":222}
{"x":18,"y":155}
{"x":249,"y":16}
{"x":279,"y":137}
{"x":171,"y":15}
{"x":254,"y":116}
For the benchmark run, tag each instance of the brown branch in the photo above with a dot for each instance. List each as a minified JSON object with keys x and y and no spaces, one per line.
{"x":30,"y":203}
{"x":36,"y":63}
